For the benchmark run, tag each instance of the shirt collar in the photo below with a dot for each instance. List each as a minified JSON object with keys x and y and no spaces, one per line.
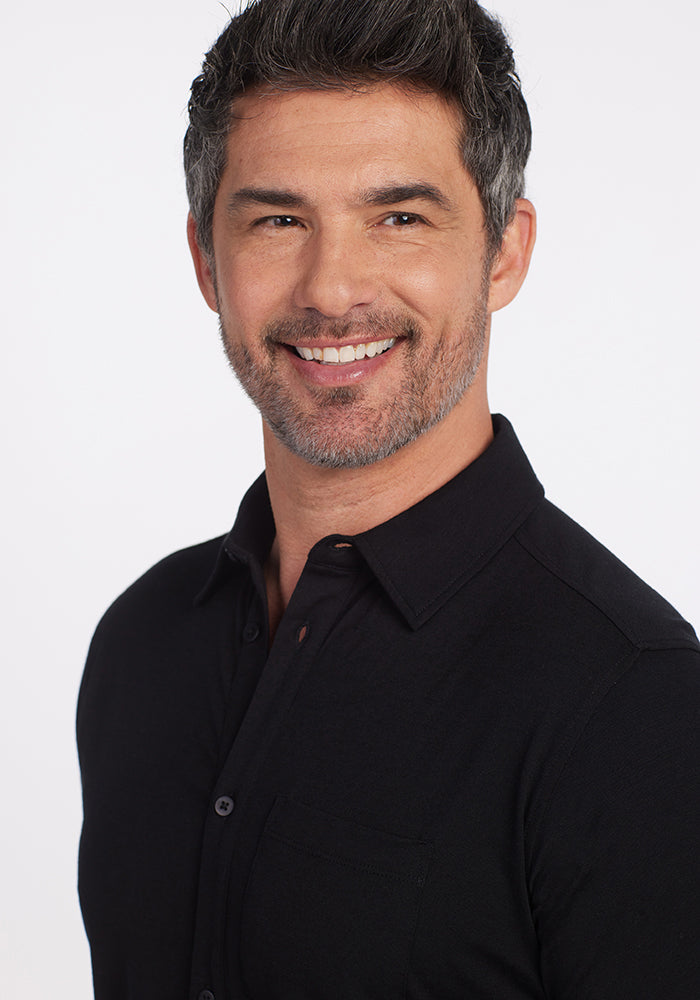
{"x":424,"y":555}
{"x":248,"y":543}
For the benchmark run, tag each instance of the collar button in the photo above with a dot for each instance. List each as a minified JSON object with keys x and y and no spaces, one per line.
{"x":251,"y":632}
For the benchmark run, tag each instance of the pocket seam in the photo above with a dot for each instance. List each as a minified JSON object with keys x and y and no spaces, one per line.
{"x":345,"y":862}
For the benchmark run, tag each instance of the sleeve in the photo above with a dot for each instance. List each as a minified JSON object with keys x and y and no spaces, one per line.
{"x":615,"y":867}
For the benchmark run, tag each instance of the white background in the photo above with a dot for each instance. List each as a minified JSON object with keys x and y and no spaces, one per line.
{"x":126,"y":437}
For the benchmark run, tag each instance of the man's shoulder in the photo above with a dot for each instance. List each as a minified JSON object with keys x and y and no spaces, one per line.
{"x":588,"y":570}
{"x":154,"y":624}
{"x":169,"y":587}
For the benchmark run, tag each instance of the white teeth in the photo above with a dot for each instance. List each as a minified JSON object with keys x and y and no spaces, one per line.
{"x":346,"y":354}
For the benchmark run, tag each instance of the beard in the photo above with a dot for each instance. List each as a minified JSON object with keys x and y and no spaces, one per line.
{"x":341,"y":427}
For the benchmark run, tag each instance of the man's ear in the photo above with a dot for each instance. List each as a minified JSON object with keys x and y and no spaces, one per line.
{"x":513,"y":259}
{"x":202,"y":266}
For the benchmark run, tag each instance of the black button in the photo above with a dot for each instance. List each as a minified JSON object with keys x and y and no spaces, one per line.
{"x":224,"y":805}
{"x":251,"y":632}
{"x":206,"y":995}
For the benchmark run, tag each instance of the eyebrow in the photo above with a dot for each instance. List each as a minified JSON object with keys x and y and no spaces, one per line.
{"x":393,"y":194}
{"x":264,"y":196}
{"x":389,"y":194}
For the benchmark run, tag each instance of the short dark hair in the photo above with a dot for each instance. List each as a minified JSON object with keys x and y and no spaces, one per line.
{"x":450,"y":47}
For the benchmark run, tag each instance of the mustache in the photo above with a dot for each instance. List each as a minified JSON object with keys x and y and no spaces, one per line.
{"x":373,"y":326}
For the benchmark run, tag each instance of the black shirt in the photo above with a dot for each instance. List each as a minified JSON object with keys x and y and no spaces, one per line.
{"x":467,"y":767}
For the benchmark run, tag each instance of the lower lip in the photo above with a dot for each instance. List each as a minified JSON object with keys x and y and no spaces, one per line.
{"x":332,"y":375}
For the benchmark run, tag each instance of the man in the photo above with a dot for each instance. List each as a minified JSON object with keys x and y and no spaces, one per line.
{"x":406,"y":731}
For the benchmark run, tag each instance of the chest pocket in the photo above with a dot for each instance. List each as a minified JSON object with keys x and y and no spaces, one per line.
{"x":330,"y":908}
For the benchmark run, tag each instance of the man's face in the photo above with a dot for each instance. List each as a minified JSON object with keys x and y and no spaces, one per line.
{"x":349,"y":269}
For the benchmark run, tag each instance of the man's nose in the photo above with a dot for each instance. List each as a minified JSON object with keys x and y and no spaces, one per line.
{"x":336,"y":274}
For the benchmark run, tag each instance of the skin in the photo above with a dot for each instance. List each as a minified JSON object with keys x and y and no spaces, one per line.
{"x":339,"y":214}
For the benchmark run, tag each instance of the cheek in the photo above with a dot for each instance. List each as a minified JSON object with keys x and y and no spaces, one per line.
{"x":417,"y":279}
{"x":437,"y":287}
{"x":251,"y":291}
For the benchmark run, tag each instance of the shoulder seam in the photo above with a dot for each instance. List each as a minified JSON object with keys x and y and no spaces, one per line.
{"x":623,"y":628}
{"x":542,"y":559}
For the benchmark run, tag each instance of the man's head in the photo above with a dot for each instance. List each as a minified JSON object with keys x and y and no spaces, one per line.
{"x":449,"y":47}
{"x":355,"y":172}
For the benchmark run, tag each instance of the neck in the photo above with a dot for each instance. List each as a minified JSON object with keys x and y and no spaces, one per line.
{"x":310,"y":502}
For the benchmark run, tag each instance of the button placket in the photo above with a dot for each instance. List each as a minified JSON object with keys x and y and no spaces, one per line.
{"x":324,"y":587}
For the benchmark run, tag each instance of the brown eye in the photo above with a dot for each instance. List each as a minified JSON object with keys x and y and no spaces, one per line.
{"x":277,"y":222}
{"x":401,"y":219}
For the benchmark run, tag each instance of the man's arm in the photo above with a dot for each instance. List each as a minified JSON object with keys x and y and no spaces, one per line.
{"x":615,"y":864}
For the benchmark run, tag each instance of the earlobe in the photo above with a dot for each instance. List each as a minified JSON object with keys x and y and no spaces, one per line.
{"x":513,"y":260}
{"x":202,"y":266}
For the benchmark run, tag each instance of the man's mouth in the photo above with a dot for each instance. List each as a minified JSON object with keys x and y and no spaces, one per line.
{"x":346,"y":354}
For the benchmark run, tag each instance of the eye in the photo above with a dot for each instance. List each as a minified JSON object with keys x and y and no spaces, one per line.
{"x":402,"y":219}
{"x":278,"y":221}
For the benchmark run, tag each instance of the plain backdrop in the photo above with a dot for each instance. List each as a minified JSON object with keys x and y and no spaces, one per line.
{"x":126,"y":437}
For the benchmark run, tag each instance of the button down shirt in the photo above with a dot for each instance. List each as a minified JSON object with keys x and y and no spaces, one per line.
{"x":466,"y":767}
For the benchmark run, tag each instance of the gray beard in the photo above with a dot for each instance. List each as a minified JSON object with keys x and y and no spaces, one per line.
{"x":343,"y":430}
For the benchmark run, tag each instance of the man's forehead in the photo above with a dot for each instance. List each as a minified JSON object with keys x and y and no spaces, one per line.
{"x":264,"y":102}
{"x":387,"y":135}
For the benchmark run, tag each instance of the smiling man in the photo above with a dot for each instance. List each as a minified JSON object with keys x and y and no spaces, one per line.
{"x":345,"y":224}
{"x":406,"y":731}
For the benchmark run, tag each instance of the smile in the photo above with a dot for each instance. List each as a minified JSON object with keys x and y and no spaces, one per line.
{"x":345,"y":355}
